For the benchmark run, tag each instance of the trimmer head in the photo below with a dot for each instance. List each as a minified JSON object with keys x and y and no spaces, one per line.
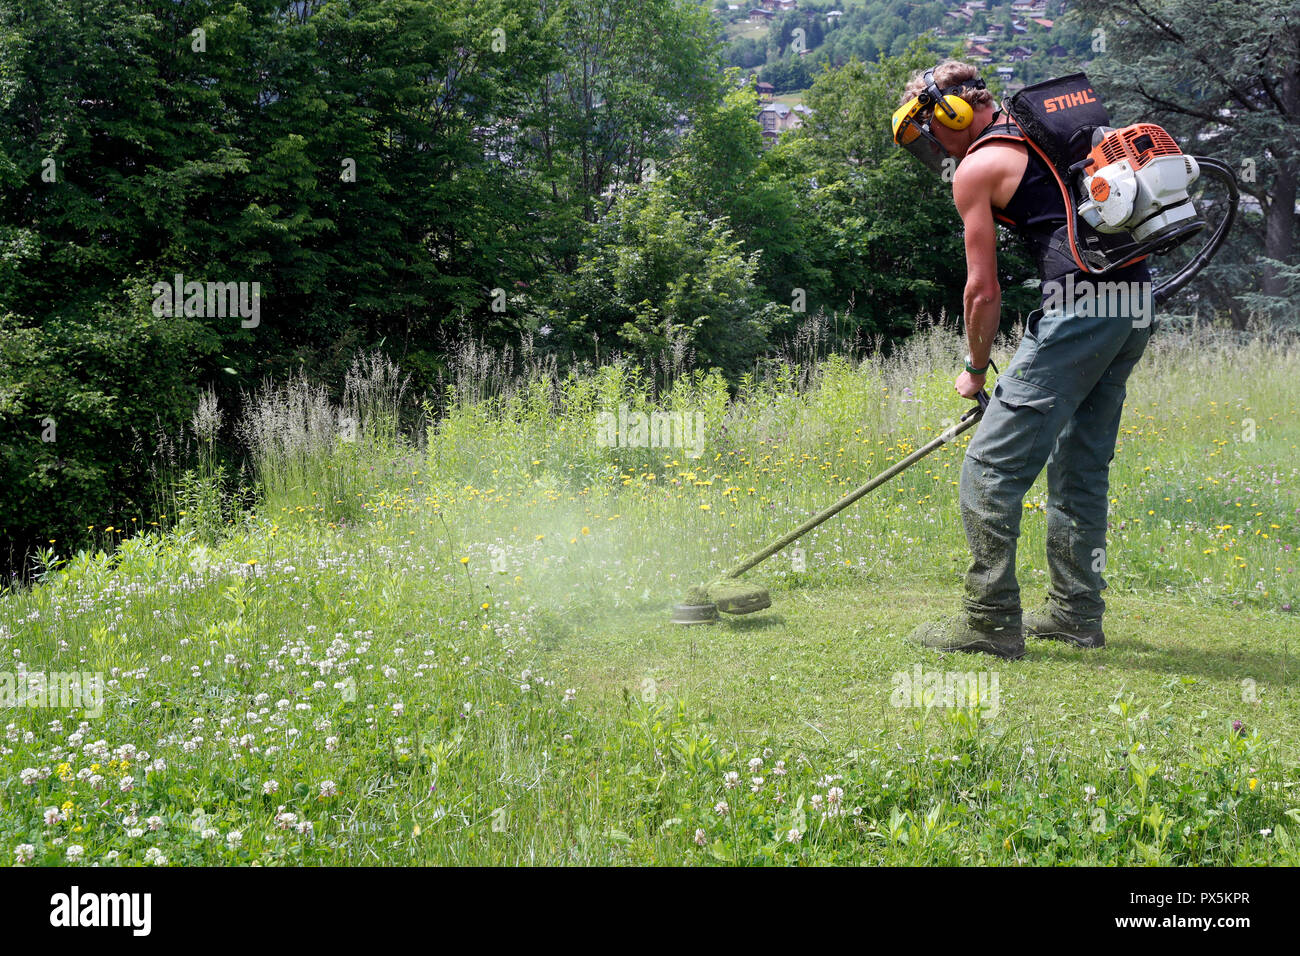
{"x":703,"y":604}
{"x":739,"y":598}
{"x":694,"y":614}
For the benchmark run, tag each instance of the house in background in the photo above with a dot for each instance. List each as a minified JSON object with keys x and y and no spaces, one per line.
{"x":777,"y":118}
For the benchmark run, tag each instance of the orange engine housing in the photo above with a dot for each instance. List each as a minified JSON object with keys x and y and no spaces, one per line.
{"x":1139,"y":144}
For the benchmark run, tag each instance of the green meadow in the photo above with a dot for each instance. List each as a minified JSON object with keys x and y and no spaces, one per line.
{"x":448,"y":642}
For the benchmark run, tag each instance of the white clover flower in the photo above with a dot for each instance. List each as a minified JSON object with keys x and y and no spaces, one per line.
{"x":816,"y":801}
{"x":127,"y":784}
{"x":754,"y":764}
{"x":154,"y":857}
{"x":75,"y":852}
{"x":135,"y":833}
{"x":328,"y":788}
{"x":53,"y":816}
{"x":270,"y":786}
{"x":731,"y":779}
{"x":209,"y":834}
{"x":331,"y":744}
{"x":234,"y":838}
{"x":111,"y":856}
{"x":570,"y":695}
{"x":699,"y":837}
{"x":24,"y":853}
{"x":305,"y":828}
{"x":794,"y":836}
{"x":721,"y":808}
{"x":756,"y":784}
{"x":155,"y":823}
{"x":779,"y":769}
{"x":834,"y":795}
{"x":398,"y":709}
{"x":29,"y":776}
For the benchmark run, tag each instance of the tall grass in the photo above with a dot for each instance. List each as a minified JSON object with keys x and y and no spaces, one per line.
{"x":312,"y":456}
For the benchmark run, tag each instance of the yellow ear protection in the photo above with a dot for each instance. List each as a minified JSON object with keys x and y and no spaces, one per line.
{"x":912,"y":128}
{"x":952,"y":111}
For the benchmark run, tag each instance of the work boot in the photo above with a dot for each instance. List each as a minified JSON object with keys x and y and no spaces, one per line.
{"x":956,"y":634}
{"x":1043,"y":624}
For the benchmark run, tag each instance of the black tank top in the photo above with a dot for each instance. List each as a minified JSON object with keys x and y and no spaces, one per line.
{"x":1036,"y":212}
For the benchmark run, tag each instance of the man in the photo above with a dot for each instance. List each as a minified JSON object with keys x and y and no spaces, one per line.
{"x":1059,"y":401}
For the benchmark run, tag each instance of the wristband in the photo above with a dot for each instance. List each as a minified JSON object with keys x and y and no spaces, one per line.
{"x":975,"y":371}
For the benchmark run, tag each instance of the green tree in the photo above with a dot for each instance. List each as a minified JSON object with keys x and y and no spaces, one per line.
{"x":657,"y":279}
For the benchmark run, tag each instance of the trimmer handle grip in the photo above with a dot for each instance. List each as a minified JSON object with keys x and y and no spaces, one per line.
{"x":982,"y":398}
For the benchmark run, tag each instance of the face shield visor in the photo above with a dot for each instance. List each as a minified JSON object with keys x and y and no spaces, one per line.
{"x":911,"y":123}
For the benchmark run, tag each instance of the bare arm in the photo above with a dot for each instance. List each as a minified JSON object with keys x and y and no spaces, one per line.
{"x":972,"y":189}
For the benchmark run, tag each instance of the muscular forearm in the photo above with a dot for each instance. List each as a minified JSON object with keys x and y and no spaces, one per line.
{"x":983,"y":309}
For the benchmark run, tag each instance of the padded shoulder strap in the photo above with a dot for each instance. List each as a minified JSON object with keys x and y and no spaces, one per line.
{"x":1003,"y":129}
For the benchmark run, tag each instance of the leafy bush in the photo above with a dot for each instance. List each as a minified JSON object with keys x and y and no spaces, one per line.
{"x":80,"y":398}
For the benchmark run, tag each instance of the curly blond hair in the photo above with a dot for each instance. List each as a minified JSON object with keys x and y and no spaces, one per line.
{"x":946,"y":74}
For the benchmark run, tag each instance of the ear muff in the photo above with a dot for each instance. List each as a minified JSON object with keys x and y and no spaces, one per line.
{"x":954,"y":112}
{"x":950,"y":110}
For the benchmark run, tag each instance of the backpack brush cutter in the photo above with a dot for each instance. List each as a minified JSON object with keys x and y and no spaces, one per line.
{"x":1127,"y":194}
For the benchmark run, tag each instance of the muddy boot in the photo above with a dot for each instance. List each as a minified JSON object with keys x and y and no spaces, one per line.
{"x":956,"y":634}
{"x":1042,"y":624}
